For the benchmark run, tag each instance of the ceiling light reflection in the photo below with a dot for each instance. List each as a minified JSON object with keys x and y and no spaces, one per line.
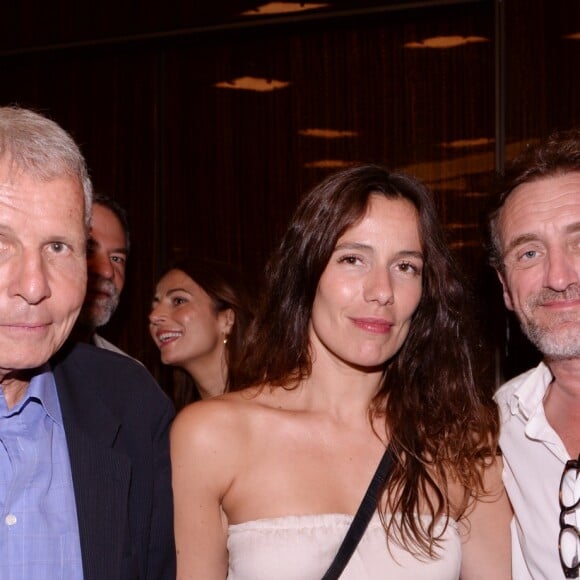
{"x":464,"y":143}
{"x":282,"y":8}
{"x":252,"y":84}
{"x":442,"y":42}
{"x":327,"y":133}
{"x":328,"y":163}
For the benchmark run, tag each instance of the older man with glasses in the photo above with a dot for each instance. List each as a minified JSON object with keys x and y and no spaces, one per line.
{"x":535,"y":248}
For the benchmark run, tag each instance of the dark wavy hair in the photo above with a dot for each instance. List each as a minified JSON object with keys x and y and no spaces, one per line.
{"x":556,"y":155}
{"x":442,"y":426}
{"x":227,"y":288}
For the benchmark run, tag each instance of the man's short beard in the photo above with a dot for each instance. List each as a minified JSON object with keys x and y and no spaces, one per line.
{"x":557,"y":339}
{"x":555,"y":345}
{"x":102,"y":314}
{"x":97,"y":312}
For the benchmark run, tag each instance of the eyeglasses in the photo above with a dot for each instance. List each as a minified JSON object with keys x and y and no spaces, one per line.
{"x":569,"y":538}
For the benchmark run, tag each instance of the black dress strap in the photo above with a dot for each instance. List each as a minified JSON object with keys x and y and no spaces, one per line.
{"x":361,"y":519}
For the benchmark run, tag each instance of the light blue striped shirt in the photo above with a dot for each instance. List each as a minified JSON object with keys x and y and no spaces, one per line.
{"x":39,"y":536}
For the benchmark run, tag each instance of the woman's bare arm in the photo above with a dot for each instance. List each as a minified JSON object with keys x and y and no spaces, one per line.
{"x":486,"y":532}
{"x":201,"y":472}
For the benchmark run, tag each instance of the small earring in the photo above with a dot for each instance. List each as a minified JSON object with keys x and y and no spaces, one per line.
{"x":225,"y":338}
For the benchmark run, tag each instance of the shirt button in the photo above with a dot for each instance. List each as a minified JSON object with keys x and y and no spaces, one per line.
{"x":10,"y":519}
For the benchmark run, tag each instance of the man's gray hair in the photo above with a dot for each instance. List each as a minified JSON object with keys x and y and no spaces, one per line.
{"x":42,"y":149}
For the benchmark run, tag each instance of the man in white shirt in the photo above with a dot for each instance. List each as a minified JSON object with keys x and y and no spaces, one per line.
{"x":535,"y":248}
{"x":107,"y":253}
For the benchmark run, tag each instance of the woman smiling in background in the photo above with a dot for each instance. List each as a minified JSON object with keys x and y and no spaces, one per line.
{"x":198,"y":319}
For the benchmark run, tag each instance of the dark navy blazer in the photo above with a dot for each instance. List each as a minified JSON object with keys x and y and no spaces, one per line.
{"x":117,"y":420}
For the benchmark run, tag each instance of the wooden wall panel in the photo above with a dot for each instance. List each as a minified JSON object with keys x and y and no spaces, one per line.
{"x":218,"y":173}
{"x":405,"y":106}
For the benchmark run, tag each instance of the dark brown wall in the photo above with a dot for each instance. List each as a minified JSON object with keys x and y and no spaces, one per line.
{"x":218,"y":172}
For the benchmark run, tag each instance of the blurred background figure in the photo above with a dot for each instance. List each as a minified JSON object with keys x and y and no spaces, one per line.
{"x":107,"y":252}
{"x":198,"y":320}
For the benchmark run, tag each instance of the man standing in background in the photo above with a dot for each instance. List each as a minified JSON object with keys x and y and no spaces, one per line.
{"x":107,"y":253}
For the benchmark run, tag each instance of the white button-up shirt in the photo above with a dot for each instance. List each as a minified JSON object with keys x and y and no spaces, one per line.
{"x":534,"y":459}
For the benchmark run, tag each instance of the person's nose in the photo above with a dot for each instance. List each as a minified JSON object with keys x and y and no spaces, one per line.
{"x":100,"y":264}
{"x":157,"y":315}
{"x":378,"y":286}
{"x":30,"y":278}
{"x":562,"y":269}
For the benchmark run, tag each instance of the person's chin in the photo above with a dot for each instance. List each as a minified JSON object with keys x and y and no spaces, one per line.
{"x":166,"y":359}
{"x":100,"y":317}
{"x":170,"y":359}
{"x":557,"y":343}
{"x":29,"y":351}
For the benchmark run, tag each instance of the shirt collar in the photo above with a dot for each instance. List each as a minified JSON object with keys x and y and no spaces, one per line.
{"x":527,"y":399}
{"x":42,"y":387}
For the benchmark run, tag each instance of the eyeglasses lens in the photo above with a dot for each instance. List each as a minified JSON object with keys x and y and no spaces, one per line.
{"x":570,"y":489}
{"x":569,"y":547}
{"x":569,"y":540}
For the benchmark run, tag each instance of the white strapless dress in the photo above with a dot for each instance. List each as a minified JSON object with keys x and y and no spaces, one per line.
{"x":302,"y":548}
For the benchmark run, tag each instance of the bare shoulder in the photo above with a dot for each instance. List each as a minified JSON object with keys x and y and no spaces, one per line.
{"x":463,"y":501}
{"x":208,"y":441}
{"x":491,"y":477}
{"x":217,"y":422}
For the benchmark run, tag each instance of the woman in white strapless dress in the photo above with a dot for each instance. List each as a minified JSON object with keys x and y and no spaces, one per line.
{"x":361,"y":342}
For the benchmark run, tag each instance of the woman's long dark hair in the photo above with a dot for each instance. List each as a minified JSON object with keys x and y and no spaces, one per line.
{"x":442,"y":426}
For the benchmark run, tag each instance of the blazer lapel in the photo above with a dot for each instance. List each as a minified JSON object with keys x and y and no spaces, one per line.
{"x":101,"y":475}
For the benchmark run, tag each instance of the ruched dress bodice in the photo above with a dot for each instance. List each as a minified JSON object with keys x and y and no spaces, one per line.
{"x":302,"y":548}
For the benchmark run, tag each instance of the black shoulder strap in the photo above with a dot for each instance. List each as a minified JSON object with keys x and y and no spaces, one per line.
{"x":361,"y":519}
